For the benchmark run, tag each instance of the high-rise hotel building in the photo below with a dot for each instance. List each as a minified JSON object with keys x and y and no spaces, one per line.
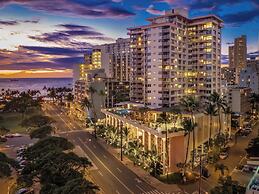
{"x":106,"y":68}
{"x":175,"y":56}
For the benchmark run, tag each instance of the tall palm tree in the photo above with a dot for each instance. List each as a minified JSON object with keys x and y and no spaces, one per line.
{"x":103,"y":95}
{"x":188,"y":127}
{"x":191,"y":105}
{"x":86,"y":104}
{"x":69,"y":98}
{"x":211,"y":111}
{"x":92,"y":91}
{"x":254,"y":100}
{"x":220,"y":103}
{"x":227,"y":111}
{"x":164,"y":118}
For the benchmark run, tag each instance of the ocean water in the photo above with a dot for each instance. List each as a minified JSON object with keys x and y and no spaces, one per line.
{"x":24,"y":84}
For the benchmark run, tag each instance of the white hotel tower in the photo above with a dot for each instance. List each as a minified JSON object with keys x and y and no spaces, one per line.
{"x":175,"y":56}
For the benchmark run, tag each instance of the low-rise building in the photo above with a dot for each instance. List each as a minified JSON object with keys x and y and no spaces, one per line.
{"x":249,"y":76}
{"x":143,"y":125}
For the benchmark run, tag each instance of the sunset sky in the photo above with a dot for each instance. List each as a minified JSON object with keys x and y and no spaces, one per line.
{"x":44,"y":38}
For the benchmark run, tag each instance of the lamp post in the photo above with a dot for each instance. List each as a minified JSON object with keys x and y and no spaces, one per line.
{"x":121,"y":142}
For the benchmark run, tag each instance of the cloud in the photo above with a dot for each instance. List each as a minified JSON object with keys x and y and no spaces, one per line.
{"x":89,"y":8}
{"x":151,"y":9}
{"x":241,"y":17}
{"x":69,"y":34}
{"x":8,"y":22}
{"x":36,"y":57}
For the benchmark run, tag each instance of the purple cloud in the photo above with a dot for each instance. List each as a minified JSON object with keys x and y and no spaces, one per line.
{"x":151,"y":9}
{"x":66,"y":36}
{"x":89,"y":8}
{"x":8,"y":22}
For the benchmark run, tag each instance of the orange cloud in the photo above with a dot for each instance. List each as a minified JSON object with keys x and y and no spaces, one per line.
{"x":36,"y":73}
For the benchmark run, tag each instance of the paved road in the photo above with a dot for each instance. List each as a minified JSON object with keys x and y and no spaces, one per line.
{"x":110,"y":174}
{"x":237,"y":154}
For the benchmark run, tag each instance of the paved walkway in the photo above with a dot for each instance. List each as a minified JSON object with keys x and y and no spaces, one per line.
{"x":172,"y":188}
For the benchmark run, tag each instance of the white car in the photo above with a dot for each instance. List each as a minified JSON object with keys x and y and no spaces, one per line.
{"x":223,"y":155}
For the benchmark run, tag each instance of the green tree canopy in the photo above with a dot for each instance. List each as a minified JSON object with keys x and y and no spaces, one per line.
{"x":37,"y":121}
{"x":5,"y":165}
{"x":41,"y":132}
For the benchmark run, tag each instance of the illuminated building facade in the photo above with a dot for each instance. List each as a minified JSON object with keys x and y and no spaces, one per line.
{"x":175,"y":56}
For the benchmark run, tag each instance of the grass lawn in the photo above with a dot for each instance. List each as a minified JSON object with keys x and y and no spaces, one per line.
{"x":12,"y":121}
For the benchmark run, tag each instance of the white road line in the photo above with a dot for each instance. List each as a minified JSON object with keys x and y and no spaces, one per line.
{"x":100,"y":173}
{"x":119,"y":170}
{"x":140,"y":188}
{"x":94,"y":146}
{"x":117,"y":192}
{"x":104,"y":165}
{"x":105,"y":156}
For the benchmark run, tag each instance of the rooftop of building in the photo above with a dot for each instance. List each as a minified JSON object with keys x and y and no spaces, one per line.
{"x":148,"y":118}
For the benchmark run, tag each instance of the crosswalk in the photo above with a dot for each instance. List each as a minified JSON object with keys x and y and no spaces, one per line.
{"x":158,"y":192}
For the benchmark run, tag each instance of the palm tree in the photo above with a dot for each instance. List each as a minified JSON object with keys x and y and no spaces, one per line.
{"x":164,"y":118}
{"x":135,"y":147}
{"x":254,"y":100}
{"x":92,"y":90}
{"x":227,"y":111}
{"x":188,"y":127}
{"x":125,"y":131}
{"x":211,"y":111}
{"x":220,"y":103}
{"x":86,"y":104}
{"x":103,"y":95}
{"x":69,"y":98}
{"x":222,"y":168}
{"x":191,"y":105}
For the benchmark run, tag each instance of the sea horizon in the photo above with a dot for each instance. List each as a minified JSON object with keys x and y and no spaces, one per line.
{"x":25,"y":84}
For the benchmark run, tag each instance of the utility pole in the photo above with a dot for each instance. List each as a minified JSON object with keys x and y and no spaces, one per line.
{"x":200,"y":178}
{"x":121,"y":143}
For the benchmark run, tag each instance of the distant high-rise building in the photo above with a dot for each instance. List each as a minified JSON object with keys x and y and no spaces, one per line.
{"x":237,"y":55}
{"x":175,"y":56}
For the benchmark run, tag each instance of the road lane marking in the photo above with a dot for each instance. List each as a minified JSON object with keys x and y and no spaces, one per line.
{"x":117,"y":192}
{"x":105,"y":165}
{"x":119,"y":170}
{"x":141,"y":189}
{"x":94,"y":146}
{"x":105,"y":156}
{"x":100,"y":173}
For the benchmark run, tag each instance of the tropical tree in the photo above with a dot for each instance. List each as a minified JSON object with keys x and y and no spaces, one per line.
{"x":37,"y":121}
{"x":69,"y":98}
{"x":103,"y":95}
{"x":220,"y":103}
{"x":188,"y":127}
{"x":6,"y":165}
{"x":92,"y":91}
{"x":41,"y":132}
{"x":228,"y":186}
{"x":191,"y":105}
{"x":125,"y":132}
{"x":164,"y":119}
{"x":57,"y":169}
{"x":211,"y":111}
{"x":135,"y":148}
{"x":254,"y":100}
{"x":221,"y":167}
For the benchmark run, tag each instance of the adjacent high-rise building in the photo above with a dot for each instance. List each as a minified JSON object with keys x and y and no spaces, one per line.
{"x":175,"y":56}
{"x":106,"y":68}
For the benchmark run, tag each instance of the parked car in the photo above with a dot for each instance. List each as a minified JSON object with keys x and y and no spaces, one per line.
{"x":223,"y":155}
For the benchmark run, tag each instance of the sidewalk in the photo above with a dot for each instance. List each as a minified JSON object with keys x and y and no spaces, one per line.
{"x":172,"y":188}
